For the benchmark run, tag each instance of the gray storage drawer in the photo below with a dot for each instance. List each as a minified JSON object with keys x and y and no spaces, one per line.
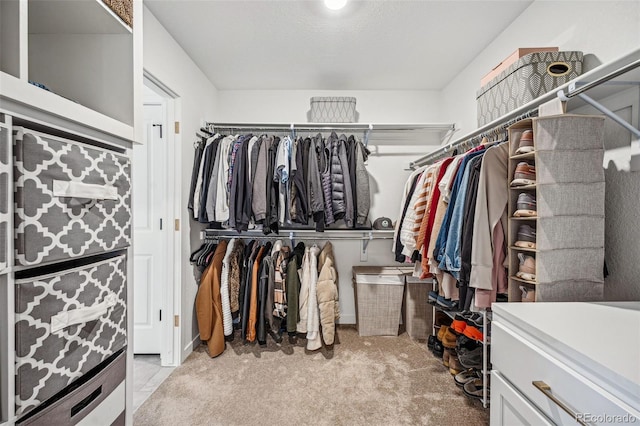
{"x":72,"y":199}
{"x":82,"y":403}
{"x":67,"y":323}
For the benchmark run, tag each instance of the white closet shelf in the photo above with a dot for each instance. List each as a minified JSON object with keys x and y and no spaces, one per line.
{"x":20,"y":98}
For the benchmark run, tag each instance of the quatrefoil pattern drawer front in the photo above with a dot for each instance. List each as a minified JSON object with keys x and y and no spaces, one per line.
{"x":72,"y":199}
{"x":67,"y":323}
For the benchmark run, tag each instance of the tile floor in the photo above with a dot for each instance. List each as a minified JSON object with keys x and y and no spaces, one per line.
{"x":148,"y":374}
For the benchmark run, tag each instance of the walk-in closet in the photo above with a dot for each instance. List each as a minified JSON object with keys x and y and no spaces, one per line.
{"x":334,"y":212}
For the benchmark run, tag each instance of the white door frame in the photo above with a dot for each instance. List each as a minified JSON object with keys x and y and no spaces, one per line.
{"x":171,"y":352}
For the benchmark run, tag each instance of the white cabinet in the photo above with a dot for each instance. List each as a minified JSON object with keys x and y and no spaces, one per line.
{"x":562,"y":362}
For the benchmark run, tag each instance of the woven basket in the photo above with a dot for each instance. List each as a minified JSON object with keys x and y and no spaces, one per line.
{"x":122,"y":8}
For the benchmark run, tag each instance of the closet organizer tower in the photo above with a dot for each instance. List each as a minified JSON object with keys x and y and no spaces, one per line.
{"x":66,"y":131}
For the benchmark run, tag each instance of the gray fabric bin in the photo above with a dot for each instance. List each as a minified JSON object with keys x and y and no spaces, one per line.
{"x":67,"y":323}
{"x":570,"y":264}
{"x":378,"y":294}
{"x":579,"y":166}
{"x":570,"y":291}
{"x":72,"y":199}
{"x":562,"y":232}
{"x":571,"y":199}
{"x":568,"y":132}
{"x":418,"y":314}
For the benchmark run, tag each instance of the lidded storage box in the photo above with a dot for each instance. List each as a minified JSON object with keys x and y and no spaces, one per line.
{"x":530,"y":77}
{"x":67,"y":323}
{"x":378,"y":293}
{"x":72,"y":199}
{"x":333,"y":110}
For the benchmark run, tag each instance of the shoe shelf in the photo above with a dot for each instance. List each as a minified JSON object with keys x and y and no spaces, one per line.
{"x":525,"y":156}
{"x":525,"y":249}
{"x":569,"y":212}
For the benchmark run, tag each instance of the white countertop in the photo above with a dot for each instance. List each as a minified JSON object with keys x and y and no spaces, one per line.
{"x":602,"y":340}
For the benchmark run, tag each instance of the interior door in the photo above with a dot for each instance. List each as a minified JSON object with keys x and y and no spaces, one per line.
{"x":149,"y":227}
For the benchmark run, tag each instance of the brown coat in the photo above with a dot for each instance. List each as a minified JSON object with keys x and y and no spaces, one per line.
{"x":253,"y":301}
{"x":209,"y":304}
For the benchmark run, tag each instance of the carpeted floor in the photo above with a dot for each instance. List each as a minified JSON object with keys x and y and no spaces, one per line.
{"x":362,"y":381}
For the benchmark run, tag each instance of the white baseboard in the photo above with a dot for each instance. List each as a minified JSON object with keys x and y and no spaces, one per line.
{"x":186,"y":351}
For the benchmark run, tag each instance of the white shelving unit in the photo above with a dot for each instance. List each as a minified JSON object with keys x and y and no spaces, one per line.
{"x":80,"y":50}
{"x":92,"y":63}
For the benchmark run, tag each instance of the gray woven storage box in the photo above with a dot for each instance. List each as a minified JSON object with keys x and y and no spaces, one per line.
{"x":378,"y":294}
{"x":530,"y":77}
{"x":567,"y":132}
{"x":333,"y":110}
{"x":418,"y":314}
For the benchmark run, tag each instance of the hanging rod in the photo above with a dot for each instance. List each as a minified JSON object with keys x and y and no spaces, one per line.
{"x":613,"y":69}
{"x":301,"y":234}
{"x":472,"y":140}
{"x":435,"y":127}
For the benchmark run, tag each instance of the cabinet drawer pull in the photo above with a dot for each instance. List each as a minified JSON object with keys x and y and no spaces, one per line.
{"x":546,"y":390}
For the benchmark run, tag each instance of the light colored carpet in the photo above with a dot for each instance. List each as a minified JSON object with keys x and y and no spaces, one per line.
{"x":362,"y":381}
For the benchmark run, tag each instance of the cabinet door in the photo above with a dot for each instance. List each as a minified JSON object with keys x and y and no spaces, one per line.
{"x":510,"y":408}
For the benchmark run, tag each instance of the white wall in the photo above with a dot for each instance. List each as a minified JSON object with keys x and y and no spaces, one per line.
{"x":603,"y":30}
{"x":167,"y":62}
{"x":391,"y":154}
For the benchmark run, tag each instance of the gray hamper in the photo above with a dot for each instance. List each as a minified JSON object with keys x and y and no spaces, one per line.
{"x":378,"y":294}
{"x":417,"y":311}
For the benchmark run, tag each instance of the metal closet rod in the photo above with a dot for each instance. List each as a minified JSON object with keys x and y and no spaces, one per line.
{"x":332,"y":126}
{"x":303,"y":237}
{"x":485,"y":132}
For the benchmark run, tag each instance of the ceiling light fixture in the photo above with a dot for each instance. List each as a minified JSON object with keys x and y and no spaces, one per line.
{"x":335,"y":4}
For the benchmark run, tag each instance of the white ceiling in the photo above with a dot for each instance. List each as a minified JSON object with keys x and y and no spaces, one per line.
{"x":369,"y":45}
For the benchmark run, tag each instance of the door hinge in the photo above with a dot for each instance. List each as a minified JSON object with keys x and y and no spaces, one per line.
{"x":176,"y":224}
{"x":160,"y":314}
{"x":176,"y":321}
{"x":177,"y":127}
{"x":161,"y":224}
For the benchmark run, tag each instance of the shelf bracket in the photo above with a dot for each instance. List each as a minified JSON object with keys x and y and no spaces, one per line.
{"x":366,"y":239}
{"x":366,"y":135}
{"x":606,"y":111}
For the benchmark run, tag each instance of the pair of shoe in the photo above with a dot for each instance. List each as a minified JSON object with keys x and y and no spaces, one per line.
{"x":453,"y":363}
{"x":469,"y":318}
{"x":433,"y":297}
{"x":526,"y":237}
{"x":473,"y":388}
{"x":526,"y":205}
{"x":528,"y":295}
{"x":435,"y":346}
{"x":524,"y":174}
{"x":466,"y":376}
{"x":527,"y":267}
{"x":468,"y":355}
{"x":526,"y":142}
{"x":448,"y":304}
{"x":447,"y":337}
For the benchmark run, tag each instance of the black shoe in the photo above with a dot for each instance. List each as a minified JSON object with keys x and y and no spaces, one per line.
{"x":438,"y":349}
{"x":430,"y":342}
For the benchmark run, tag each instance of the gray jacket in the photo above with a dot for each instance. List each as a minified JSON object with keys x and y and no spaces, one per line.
{"x":314,"y":183}
{"x":337,"y":178}
{"x":260,"y":182}
{"x":363,"y":194}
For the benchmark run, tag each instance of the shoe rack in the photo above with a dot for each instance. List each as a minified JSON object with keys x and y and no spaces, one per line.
{"x":569,"y":219}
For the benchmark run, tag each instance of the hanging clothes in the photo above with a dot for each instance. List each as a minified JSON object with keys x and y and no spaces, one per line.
{"x":209,"y":304}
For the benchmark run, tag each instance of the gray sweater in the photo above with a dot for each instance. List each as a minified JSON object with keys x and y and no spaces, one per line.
{"x":260,"y":181}
{"x":363,"y":195}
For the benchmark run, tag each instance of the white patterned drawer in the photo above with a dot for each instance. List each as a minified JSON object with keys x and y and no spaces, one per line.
{"x":67,"y":323}
{"x":72,"y":199}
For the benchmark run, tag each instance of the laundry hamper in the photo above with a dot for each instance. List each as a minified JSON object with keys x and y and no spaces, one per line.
{"x":378,"y":294}
{"x":418,"y":314}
